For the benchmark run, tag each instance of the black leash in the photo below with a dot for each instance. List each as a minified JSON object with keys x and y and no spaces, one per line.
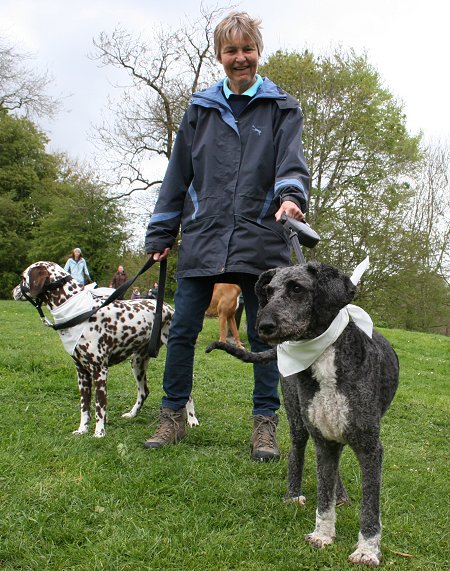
{"x":155,"y":339}
{"x":154,"y":343}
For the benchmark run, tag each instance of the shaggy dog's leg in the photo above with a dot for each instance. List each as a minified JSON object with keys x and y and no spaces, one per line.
{"x":100,"y":375}
{"x":327,"y":458}
{"x":139,"y":366}
{"x":299,"y":438}
{"x":85,"y":388}
{"x":296,"y":461}
{"x":368,"y":551}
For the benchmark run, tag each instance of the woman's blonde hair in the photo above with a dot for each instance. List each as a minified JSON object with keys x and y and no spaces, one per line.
{"x":237,"y":23}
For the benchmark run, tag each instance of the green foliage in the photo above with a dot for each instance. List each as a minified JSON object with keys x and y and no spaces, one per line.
{"x":80,"y":214}
{"x":363,"y":163}
{"x":25,"y":167}
{"x":25,"y":171}
{"x":49,"y":206}
{"x":79,"y":503}
{"x":356,"y":146}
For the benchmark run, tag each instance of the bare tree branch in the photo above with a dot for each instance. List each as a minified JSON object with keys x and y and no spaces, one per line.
{"x":22,"y":89}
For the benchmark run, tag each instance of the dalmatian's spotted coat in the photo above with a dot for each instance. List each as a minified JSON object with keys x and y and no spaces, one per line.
{"x":116,"y":332}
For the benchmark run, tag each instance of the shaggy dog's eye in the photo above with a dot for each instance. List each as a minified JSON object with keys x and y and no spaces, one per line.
{"x":295,"y":288}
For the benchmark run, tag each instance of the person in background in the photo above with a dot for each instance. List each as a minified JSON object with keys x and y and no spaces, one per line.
{"x":77,"y":267}
{"x":119,"y":278}
{"x":237,"y":165}
{"x":153,"y":292}
{"x":136,"y":294}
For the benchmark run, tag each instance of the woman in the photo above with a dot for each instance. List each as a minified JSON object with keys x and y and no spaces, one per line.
{"x":77,"y":267}
{"x":236,"y":167}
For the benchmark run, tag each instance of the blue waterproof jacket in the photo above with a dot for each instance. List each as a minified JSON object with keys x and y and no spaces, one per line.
{"x":225,"y":181}
{"x":78,"y":270}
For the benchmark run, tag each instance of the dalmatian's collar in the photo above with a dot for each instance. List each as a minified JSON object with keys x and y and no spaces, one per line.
{"x":296,"y":356}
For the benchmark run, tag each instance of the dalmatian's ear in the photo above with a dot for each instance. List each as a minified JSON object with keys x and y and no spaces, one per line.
{"x":38,"y":278}
{"x":260,"y":287}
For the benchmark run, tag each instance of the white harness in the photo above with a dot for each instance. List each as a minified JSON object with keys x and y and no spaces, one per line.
{"x":296,"y":356}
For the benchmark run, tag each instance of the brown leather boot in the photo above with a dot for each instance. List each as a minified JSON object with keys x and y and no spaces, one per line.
{"x":264,"y":445}
{"x":171,"y":429}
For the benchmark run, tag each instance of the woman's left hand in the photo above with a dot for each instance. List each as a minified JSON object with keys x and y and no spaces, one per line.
{"x":290,"y":209}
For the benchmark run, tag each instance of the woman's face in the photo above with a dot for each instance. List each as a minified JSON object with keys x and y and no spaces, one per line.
{"x":76,"y":255}
{"x":239,"y":58}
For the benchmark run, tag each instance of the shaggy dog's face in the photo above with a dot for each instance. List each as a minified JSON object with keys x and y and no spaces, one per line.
{"x":299,"y":302}
{"x":286,"y":300}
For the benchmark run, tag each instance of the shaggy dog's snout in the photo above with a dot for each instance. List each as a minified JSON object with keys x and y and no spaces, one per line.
{"x":267,"y":326}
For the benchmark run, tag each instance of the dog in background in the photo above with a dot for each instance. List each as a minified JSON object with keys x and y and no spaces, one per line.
{"x":339,"y":399}
{"x":120,"y":330}
{"x":224,"y":303}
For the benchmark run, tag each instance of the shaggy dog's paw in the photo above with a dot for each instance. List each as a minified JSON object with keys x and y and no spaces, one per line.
{"x":99,"y":433}
{"x":368,"y":551}
{"x":130,"y":414}
{"x":301,"y":500}
{"x":365,"y":558}
{"x":318,"y":541}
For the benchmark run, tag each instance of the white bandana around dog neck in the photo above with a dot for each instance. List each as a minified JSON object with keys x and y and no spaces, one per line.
{"x":76,"y":305}
{"x":81,"y":302}
{"x":296,"y":356}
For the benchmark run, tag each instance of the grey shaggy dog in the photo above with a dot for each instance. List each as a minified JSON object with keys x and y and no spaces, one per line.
{"x":340,"y":399}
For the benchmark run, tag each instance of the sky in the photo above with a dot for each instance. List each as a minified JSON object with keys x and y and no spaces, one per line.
{"x":405,"y":40}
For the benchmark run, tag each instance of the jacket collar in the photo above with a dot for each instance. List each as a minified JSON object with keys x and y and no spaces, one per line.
{"x":251,"y":91}
{"x":213,"y":96}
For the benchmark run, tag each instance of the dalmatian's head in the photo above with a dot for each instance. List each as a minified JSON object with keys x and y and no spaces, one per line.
{"x":43,"y":279}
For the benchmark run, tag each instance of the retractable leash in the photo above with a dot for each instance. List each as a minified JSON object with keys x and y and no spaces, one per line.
{"x":300,"y":234}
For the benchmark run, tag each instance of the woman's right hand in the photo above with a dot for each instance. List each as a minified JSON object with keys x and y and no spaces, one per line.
{"x":159,"y":256}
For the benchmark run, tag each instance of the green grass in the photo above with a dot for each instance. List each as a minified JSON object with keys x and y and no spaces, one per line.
{"x":78,"y":503}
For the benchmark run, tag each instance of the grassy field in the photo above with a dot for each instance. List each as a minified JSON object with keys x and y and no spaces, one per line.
{"x":78,"y":503}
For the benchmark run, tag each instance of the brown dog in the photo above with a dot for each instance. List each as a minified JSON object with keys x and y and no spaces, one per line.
{"x":224,"y":303}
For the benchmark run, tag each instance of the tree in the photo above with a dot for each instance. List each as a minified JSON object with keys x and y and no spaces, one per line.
{"x":419,"y":294}
{"x":360,"y":156}
{"x":25,"y":171}
{"x":163,"y":73}
{"x":79,"y":213}
{"x":49,"y":205}
{"x":429,"y":217}
{"x":23,"y":89}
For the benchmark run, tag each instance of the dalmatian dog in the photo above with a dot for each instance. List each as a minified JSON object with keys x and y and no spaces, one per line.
{"x":120,"y":330}
{"x":339,"y":377}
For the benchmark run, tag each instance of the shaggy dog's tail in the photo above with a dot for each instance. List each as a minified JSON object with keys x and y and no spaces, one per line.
{"x":243,"y":354}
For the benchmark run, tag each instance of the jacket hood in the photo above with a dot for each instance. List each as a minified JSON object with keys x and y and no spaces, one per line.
{"x":214,"y":95}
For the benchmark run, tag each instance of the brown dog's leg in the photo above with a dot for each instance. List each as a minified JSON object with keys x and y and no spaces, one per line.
{"x":234,"y":331}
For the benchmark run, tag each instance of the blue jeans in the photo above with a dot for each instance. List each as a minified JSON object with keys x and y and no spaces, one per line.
{"x":192,"y":298}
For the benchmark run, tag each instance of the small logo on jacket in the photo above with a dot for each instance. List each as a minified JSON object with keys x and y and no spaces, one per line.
{"x":257,"y":131}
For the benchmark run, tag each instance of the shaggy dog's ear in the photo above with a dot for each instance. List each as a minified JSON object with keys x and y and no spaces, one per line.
{"x":333,"y":288}
{"x":38,"y":278}
{"x":260,"y":286}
